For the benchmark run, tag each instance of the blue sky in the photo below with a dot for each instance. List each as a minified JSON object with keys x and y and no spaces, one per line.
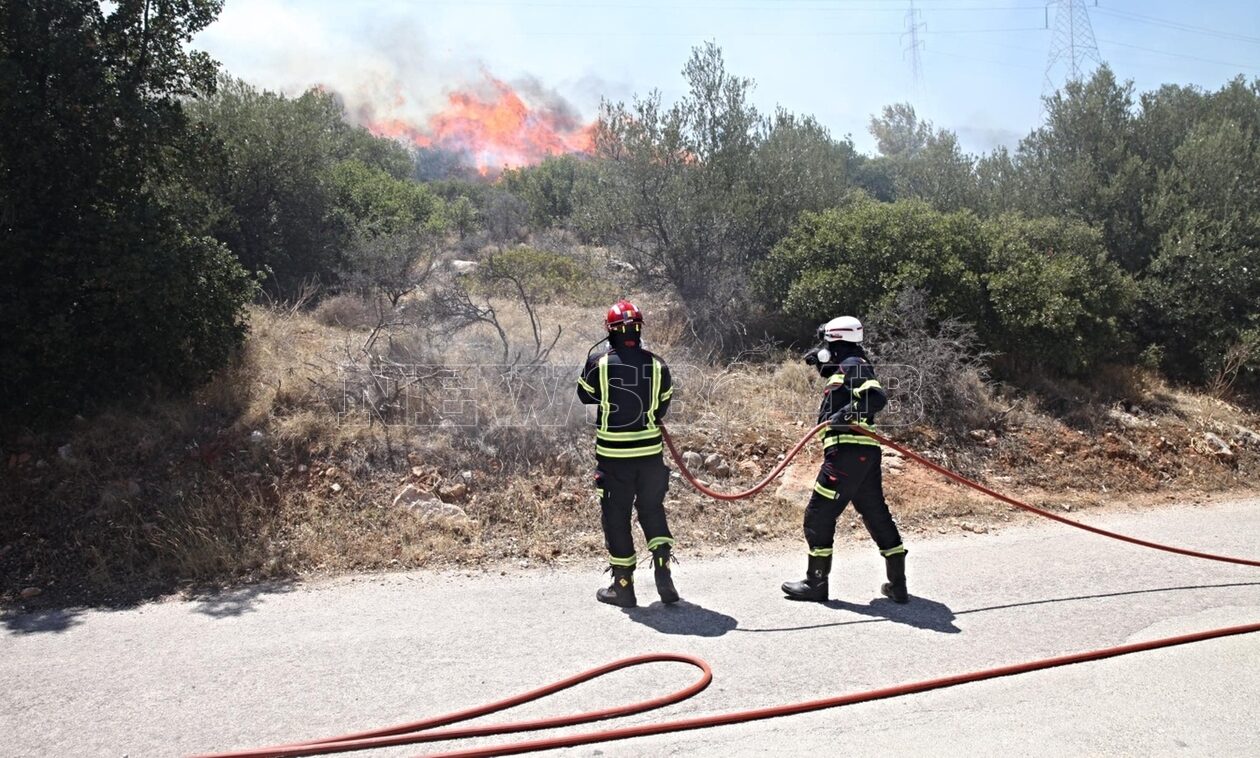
{"x":841,"y":60}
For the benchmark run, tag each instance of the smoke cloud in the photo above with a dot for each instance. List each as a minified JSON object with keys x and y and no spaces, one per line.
{"x":393,"y":80}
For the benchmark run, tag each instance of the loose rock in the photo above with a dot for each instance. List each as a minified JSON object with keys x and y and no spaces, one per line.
{"x":412,"y":496}
{"x":453,"y":493}
{"x":1247,"y":436}
{"x":797,"y":484}
{"x":1218,"y":448}
{"x":427,"y":506}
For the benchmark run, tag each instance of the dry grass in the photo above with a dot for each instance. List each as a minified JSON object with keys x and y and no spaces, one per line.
{"x":257,"y":476}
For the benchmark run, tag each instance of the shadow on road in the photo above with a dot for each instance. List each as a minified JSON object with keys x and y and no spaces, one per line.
{"x":920,"y":613}
{"x":46,"y":620}
{"x":934,"y":616}
{"x":218,"y":604}
{"x":683,"y":618}
{"x":240,"y":601}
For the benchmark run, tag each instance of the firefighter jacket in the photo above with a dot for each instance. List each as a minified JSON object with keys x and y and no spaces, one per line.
{"x":632,"y":388}
{"x":853,"y":387}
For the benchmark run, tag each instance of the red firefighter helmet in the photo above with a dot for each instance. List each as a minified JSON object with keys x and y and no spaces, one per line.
{"x":624,"y":313}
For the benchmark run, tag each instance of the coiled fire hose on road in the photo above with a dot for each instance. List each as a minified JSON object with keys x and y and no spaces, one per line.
{"x":427,"y":730}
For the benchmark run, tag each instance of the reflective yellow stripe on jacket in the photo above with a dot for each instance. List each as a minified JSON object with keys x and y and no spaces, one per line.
{"x":631,"y":444}
{"x":830,"y":437}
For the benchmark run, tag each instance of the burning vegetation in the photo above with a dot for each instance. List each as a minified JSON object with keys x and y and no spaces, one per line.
{"x":495,"y":127}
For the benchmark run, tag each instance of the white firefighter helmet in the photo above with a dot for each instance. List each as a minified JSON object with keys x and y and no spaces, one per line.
{"x":842,"y":329}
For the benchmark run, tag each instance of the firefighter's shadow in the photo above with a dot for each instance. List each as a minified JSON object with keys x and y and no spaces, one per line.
{"x":682,"y":618}
{"x":920,"y":613}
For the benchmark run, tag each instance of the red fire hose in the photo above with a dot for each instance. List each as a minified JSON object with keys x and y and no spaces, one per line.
{"x":673,"y":451}
{"x":426,"y":729}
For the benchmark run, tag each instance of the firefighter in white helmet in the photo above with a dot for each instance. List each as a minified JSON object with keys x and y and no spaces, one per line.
{"x":851,"y":466}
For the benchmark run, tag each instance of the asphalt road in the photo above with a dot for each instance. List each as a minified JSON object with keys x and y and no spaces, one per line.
{"x":284,"y":662}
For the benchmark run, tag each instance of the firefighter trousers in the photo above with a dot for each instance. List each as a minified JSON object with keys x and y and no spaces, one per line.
{"x":850,"y":473}
{"x":626,"y":485}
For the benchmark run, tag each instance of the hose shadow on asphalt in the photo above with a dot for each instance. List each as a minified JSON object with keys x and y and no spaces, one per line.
{"x":682,"y":618}
{"x":937,"y":617}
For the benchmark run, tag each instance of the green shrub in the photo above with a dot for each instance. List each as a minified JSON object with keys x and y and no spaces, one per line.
{"x":1041,"y":292}
{"x":1054,"y":296}
{"x":545,"y":276}
{"x":856,"y":258}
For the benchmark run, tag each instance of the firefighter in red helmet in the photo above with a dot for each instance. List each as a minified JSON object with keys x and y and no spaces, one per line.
{"x":632,"y":390}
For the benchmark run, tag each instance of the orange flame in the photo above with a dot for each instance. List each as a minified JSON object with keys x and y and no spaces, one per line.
{"x":498,"y":132}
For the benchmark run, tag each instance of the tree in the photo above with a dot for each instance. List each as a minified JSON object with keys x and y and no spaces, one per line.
{"x":918,"y":161}
{"x":695,"y":193}
{"x":1201,"y":292}
{"x":939,"y":173}
{"x":996,"y":179}
{"x":111,"y":286}
{"x":391,"y":263}
{"x":363,"y":198}
{"x":797,"y":167}
{"x":461,"y":216}
{"x":290,"y":163}
{"x":898,"y":132}
{"x":550,"y":188}
{"x":1084,"y":164}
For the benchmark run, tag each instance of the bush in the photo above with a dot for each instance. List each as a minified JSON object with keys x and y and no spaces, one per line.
{"x":856,"y":258}
{"x":1055,"y":296}
{"x":392,"y":264}
{"x":1041,"y":292}
{"x":549,"y":189}
{"x":349,"y":311}
{"x":546,"y":277}
{"x":914,"y":351}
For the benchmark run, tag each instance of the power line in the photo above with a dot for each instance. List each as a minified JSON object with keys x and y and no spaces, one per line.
{"x":1179,"y":26}
{"x":1181,"y":55}
{"x":787,"y":5}
{"x":778,"y":34}
{"x":987,"y":61}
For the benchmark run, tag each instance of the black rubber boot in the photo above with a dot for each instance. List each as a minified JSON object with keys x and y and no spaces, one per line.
{"x":664,"y":578}
{"x":814,"y":587}
{"x":895,"y":588}
{"x":621,"y":591}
